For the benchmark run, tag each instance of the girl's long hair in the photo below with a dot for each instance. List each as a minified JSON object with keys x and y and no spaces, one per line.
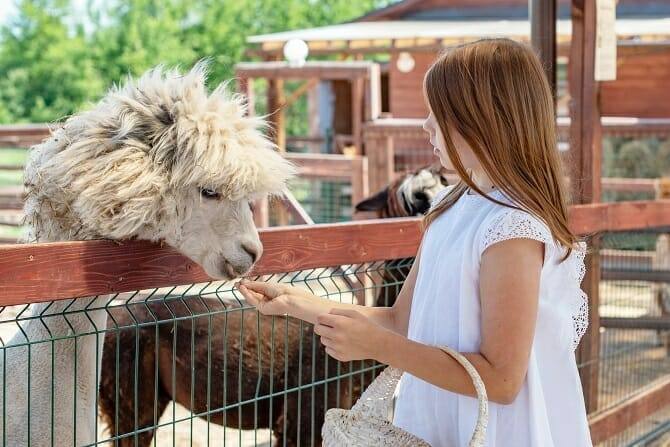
{"x":495,"y":94}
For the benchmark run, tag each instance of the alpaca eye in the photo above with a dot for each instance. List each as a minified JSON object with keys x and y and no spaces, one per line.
{"x":209,"y":193}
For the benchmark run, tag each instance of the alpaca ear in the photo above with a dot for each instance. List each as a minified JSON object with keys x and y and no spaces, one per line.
{"x":374,"y":203}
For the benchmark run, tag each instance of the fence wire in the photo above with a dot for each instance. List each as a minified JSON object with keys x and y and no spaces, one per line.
{"x":634,"y":341}
{"x":178,"y":364}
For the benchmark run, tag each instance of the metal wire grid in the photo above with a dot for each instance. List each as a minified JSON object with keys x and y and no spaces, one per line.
{"x":199,"y":345}
{"x":632,"y":358}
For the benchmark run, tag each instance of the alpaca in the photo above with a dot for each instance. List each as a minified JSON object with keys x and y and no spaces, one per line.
{"x":409,"y":195}
{"x":207,"y":355}
{"x":159,"y":159}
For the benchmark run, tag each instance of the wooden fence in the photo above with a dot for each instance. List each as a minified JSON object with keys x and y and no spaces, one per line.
{"x":28,"y":273}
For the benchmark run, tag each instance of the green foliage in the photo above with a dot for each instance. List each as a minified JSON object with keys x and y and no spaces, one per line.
{"x":45,"y":70}
{"x":54,"y":59}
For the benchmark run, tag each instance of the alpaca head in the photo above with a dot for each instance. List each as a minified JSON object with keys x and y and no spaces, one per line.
{"x":158,"y":159}
{"x":410,"y":195}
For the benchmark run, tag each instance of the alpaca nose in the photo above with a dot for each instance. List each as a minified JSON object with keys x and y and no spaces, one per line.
{"x":253,"y":250}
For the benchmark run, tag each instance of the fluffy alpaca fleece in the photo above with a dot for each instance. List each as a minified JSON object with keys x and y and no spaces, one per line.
{"x":158,"y":159}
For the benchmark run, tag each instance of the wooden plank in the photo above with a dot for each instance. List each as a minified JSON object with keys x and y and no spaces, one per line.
{"x":29,"y":274}
{"x":543,"y":36}
{"x":335,"y":166}
{"x":295,"y":209}
{"x":620,"y":274}
{"x":649,"y":323}
{"x":606,"y":424}
{"x":326,"y":70}
{"x":629,"y":184}
{"x":619,"y":216}
{"x":357,"y":104}
{"x":359,"y":182}
{"x":585,"y":148}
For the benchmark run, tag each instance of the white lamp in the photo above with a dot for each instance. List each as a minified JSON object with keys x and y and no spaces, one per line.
{"x":405,"y":62}
{"x":295,"y":52}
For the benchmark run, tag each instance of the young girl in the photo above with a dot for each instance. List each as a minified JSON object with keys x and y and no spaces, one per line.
{"x":497,"y":275}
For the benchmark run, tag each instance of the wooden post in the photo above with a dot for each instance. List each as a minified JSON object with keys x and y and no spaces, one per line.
{"x":380,"y":161}
{"x":275,"y":103}
{"x":357,"y":101}
{"x":276,"y":116}
{"x":585,"y":146}
{"x":543,"y":36}
{"x":246,"y":87}
{"x":662,"y":262}
{"x":359,"y":181}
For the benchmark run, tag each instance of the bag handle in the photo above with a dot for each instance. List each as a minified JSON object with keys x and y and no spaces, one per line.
{"x":479,"y":431}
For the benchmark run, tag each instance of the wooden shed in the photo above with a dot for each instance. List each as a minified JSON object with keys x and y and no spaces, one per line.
{"x":409,"y":34}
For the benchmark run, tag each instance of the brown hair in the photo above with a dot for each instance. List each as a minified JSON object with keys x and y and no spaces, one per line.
{"x":495,"y":94}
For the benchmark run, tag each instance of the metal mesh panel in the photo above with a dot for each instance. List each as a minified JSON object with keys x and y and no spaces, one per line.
{"x":199,"y":345}
{"x":325,"y":201}
{"x":634,"y":349}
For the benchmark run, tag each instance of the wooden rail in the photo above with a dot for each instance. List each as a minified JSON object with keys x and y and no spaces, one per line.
{"x":606,"y":424}
{"x":29,"y":274}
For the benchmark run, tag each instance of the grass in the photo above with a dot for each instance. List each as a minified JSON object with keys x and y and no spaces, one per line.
{"x":11,"y":156}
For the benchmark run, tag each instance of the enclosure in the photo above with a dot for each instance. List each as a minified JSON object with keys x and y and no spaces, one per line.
{"x":184,"y":360}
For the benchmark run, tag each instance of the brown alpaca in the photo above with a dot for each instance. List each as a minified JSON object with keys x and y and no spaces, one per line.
{"x":244,"y":357}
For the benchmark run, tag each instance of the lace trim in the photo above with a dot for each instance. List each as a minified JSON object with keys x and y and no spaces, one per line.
{"x":580,"y":315}
{"x":516,"y":224}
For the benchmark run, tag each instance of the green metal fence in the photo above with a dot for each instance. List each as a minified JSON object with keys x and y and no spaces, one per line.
{"x":178,"y":364}
{"x":195,"y":365}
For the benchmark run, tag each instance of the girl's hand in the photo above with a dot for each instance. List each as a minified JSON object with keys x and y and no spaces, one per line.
{"x":269,"y":298}
{"x":349,"y":335}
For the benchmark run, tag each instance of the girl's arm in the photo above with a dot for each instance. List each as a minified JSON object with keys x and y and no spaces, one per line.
{"x":509,"y":287}
{"x":278,"y":299}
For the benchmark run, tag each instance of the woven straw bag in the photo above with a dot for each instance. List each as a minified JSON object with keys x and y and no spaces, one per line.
{"x":369,"y":422}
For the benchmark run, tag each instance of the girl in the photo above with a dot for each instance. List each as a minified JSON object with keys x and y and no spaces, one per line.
{"x":497,"y":275}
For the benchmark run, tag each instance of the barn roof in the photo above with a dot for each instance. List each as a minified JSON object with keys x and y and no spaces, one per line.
{"x":452,"y":30}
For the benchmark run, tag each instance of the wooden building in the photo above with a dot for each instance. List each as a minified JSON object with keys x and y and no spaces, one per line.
{"x":407,"y":36}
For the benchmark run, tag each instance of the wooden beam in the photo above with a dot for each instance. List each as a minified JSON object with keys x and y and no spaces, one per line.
{"x":28,"y":273}
{"x":297,"y":93}
{"x":325,"y":70}
{"x":357,"y":104}
{"x":609,"y":423}
{"x":650,"y":323}
{"x":276,"y":116}
{"x":619,"y":216}
{"x":585,"y":148}
{"x":295,"y":209}
{"x":543,"y":36}
{"x":246,"y":87}
{"x":325,"y":166}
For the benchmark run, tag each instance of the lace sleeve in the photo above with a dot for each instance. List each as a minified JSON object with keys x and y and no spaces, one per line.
{"x":516,"y":224}
{"x":580,"y":313}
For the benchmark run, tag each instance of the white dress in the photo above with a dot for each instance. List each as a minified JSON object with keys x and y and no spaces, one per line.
{"x":549,"y":410}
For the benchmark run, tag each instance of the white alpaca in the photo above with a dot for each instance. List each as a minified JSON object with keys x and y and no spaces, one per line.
{"x":158,"y":159}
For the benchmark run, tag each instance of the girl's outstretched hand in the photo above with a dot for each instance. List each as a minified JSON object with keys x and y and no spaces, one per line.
{"x":269,"y":298}
{"x":350,"y":335}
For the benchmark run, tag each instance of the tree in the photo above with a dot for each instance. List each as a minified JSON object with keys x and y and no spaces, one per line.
{"x":47,"y":71}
